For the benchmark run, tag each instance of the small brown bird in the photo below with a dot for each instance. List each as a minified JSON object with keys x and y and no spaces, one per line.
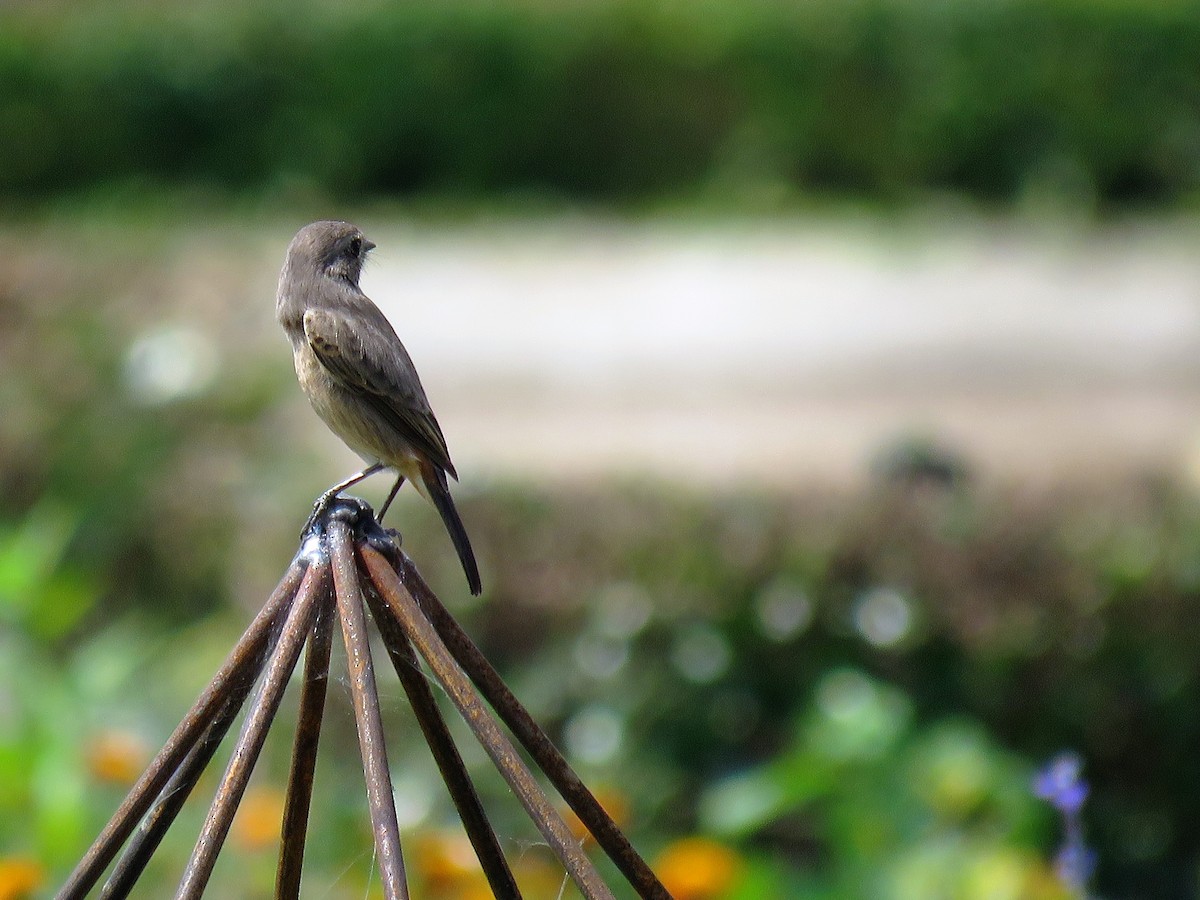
{"x":358,"y":376}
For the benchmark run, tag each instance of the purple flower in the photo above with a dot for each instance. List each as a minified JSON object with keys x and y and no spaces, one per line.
{"x":1075,"y":864}
{"x":1060,"y":784}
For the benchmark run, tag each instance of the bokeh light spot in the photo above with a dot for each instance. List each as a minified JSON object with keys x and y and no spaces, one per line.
{"x":594,"y":734}
{"x":701,"y":654}
{"x":600,"y":657}
{"x":169,"y":364}
{"x":783,"y":609}
{"x":884,"y":616}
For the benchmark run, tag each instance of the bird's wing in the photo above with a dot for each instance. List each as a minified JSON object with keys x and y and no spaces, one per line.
{"x":373,"y":363}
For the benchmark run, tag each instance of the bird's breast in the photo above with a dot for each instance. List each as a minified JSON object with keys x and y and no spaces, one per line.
{"x":350,"y":415}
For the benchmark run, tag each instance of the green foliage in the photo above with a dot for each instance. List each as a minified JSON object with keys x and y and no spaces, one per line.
{"x":797,"y":677}
{"x":829,"y":689}
{"x":1073,"y":101}
{"x":898,"y":812}
{"x":37,"y":589}
{"x":726,"y":667}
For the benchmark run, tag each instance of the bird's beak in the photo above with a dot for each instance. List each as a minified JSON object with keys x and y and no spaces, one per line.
{"x":368,"y":245}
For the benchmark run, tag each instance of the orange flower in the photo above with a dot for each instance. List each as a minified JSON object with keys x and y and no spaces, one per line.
{"x":445,"y":864}
{"x":446,"y":858}
{"x":259,"y":819}
{"x":20,"y":876}
{"x":116,"y":757}
{"x":697,"y":868}
{"x":612,"y":802}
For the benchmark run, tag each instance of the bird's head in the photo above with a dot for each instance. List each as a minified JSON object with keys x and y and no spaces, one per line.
{"x":334,"y":249}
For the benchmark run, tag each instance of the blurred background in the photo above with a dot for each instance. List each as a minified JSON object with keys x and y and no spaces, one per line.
{"x":822,"y":378}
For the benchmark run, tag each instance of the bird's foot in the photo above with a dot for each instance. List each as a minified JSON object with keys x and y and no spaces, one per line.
{"x":355,"y":512}
{"x":316,"y":517}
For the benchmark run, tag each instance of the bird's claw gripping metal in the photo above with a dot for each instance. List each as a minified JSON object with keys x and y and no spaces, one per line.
{"x":356,"y":513}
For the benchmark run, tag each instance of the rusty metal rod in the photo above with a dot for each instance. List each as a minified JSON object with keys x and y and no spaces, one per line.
{"x":367,"y":712}
{"x":254,"y":732}
{"x":253,"y":647}
{"x":498,"y":747}
{"x":608,"y":836}
{"x":154,"y":824}
{"x":304,"y":753}
{"x":445,"y":753}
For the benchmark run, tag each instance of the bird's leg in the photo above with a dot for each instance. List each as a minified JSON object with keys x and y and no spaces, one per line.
{"x":326,"y":498}
{"x":390,"y":497}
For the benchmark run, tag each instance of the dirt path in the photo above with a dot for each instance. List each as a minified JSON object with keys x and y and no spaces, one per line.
{"x":788,"y":351}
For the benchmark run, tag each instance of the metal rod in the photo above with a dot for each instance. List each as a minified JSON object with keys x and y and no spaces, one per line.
{"x":253,"y":646}
{"x":498,"y":747}
{"x":154,"y":824}
{"x":304,"y":753}
{"x":536,"y":742}
{"x":445,"y":753}
{"x":254,"y":731}
{"x":367,"y":713}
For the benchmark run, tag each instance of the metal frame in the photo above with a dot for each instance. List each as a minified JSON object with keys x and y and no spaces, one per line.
{"x":347,"y":563}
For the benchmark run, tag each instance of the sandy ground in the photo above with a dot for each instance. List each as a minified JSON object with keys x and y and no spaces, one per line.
{"x":793,"y":351}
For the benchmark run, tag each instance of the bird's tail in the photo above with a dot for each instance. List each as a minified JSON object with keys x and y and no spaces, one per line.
{"x":438,"y":491}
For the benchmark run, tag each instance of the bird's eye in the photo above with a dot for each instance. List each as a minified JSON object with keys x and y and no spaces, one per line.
{"x":356,"y":246}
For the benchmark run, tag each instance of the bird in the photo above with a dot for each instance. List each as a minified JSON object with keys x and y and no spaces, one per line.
{"x":359,"y":377}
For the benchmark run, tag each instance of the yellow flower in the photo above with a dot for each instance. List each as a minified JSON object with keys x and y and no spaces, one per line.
{"x":259,"y":819}
{"x":446,"y":859}
{"x":445,"y":866}
{"x":20,"y":876}
{"x":612,"y":802}
{"x":116,"y":757}
{"x":1043,"y":883}
{"x":697,"y":868}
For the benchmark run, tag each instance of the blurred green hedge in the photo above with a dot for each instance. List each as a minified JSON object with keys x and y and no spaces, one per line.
{"x":1091,"y":101}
